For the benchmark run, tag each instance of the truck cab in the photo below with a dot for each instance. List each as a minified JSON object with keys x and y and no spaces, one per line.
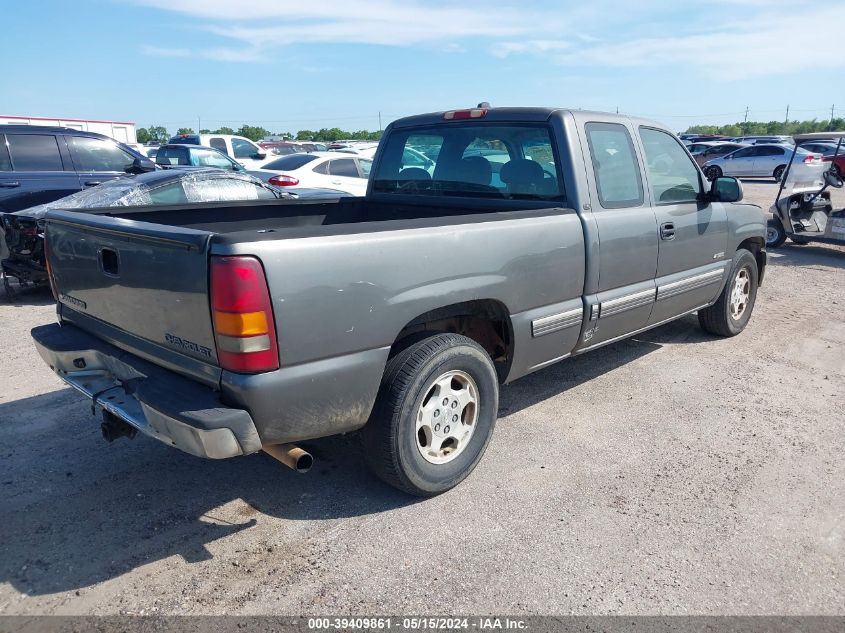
{"x":244,"y":151}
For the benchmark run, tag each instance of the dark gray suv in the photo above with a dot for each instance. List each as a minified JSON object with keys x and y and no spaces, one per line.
{"x":40,"y":164}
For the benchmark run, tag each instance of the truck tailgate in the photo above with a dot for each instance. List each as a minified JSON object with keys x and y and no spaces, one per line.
{"x":147,"y":280}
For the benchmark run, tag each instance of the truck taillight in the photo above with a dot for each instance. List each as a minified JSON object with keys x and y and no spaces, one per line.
{"x":49,"y":267}
{"x":283,"y":180}
{"x":243,"y":315}
{"x":463,"y":115}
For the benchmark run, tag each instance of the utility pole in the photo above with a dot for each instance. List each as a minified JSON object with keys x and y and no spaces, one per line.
{"x":786,"y":120}
{"x":832,"y":108}
{"x":745,"y":120}
{"x":199,"y":125}
{"x":379,"y":120}
{"x":617,"y":109}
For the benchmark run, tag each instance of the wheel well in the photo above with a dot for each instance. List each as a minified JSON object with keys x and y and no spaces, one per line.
{"x":486,"y":321}
{"x":757,"y":247}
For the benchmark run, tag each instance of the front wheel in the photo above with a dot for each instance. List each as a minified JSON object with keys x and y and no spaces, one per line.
{"x":434,"y":415}
{"x":713,"y":172}
{"x":775,"y":235}
{"x":731,"y":312}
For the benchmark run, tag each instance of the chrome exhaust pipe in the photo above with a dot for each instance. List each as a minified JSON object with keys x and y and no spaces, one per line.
{"x":291,"y":456}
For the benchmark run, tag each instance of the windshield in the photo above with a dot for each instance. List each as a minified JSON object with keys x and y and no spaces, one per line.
{"x":805,"y":173}
{"x":512,"y":161}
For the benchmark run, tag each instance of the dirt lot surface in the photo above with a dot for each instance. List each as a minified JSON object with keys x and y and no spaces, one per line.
{"x":674,"y":473}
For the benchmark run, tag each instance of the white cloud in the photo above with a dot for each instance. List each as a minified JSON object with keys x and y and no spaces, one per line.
{"x":754,"y":43}
{"x":261,"y":24}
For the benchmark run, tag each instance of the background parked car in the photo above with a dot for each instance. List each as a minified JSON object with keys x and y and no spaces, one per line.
{"x":714,"y":151}
{"x":39,"y":164}
{"x":759,"y":161}
{"x":188,"y":156}
{"x":23,"y":240}
{"x":247,"y":153}
{"x":825,"y":148}
{"x":333,"y":170}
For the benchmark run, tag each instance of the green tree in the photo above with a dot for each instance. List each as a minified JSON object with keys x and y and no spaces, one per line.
{"x":143,"y":135}
{"x":758,"y":128}
{"x":305,"y":135}
{"x":185,"y":130}
{"x":252,"y":132}
{"x":224,"y":130}
{"x":205,"y":130}
{"x":158,"y":133}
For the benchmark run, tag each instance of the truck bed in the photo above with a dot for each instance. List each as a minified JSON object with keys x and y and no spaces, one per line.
{"x":270,"y":219}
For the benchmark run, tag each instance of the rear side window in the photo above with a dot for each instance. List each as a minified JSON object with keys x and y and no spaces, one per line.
{"x":615,"y":165}
{"x":5,"y":161}
{"x":288,"y":163}
{"x":35,"y":152}
{"x":219,"y":144}
{"x":344,"y":167}
{"x":94,"y":154}
{"x":673,"y":176}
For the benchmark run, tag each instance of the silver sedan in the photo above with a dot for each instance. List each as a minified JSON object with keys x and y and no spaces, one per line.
{"x":757,"y":161}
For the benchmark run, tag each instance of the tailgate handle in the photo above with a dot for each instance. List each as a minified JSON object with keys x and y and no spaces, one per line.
{"x":109,"y":261}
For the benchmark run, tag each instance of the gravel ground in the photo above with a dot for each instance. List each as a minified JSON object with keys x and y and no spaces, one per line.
{"x":674,"y":473}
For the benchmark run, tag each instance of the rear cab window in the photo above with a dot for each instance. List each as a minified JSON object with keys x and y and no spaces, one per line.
{"x":34,"y":152}
{"x":482,"y":160}
{"x":172,"y":156}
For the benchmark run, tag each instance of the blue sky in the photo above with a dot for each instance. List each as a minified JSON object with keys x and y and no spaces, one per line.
{"x":323,"y":63}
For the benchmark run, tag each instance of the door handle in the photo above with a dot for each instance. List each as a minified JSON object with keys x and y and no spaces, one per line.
{"x":667,"y":231}
{"x":336,"y":182}
{"x":10,"y":184}
{"x":92,"y":183}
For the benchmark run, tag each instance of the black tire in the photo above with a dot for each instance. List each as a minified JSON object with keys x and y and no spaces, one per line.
{"x":775,"y":234}
{"x":391,"y":440}
{"x":798,"y":241}
{"x":777,"y":174}
{"x":713,"y":172}
{"x":718,"y":319}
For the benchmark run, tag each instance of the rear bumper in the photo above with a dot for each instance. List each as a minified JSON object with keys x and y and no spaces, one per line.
{"x":160,"y":403}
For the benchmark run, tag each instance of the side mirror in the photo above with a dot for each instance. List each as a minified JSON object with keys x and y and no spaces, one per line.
{"x":726,"y":189}
{"x":141,"y":166}
{"x":259,"y":156}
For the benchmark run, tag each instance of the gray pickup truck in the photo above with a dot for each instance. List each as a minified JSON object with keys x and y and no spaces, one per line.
{"x":530,"y":235}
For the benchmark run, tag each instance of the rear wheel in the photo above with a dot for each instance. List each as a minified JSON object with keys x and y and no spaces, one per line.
{"x":713,"y":172}
{"x":730,"y":314}
{"x":778,"y":172}
{"x":434,"y":415}
{"x":775,"y":235}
